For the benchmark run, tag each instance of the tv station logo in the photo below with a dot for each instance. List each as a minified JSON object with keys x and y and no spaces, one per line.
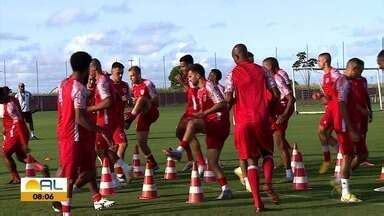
{"x":43,"y":189}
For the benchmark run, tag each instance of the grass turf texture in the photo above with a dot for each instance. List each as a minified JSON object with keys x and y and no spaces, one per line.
{"x":317,"y":201}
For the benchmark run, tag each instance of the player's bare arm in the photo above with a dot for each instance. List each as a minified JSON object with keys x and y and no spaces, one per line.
{"x":104,"y":104}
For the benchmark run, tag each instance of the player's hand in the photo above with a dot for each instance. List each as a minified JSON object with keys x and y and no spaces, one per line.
{"x":178,"y":78}
{"x":281,"y":119}
{"x":199,"y":114}
{"x":316,"y":96}
{"x":354,"y":136}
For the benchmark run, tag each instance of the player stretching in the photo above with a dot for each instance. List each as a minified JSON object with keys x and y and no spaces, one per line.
{"x":213,"y":120}
{"x":253,"y":138}
{"x":325,"y":127}
{"x":145,"y":109}
{"x":107,"y":100}
{"x":16,"y":136}
{"x":190,"y":109}
{"x":73,"y":130}
{"x":281,"y":113}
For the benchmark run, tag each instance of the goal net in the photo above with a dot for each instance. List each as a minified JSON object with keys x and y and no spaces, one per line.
{"x":306,"y":81}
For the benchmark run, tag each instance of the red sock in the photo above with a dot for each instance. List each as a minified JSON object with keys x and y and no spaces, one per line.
{"x":268,"y":169}
{"x":253,"y":178}
{"x":66,"y":207}
{"x":151,"y":159}
{"x":96,"y":197}
{"x":184,"y":144}
{"x":326,"y":153}
{"x":15,"y":175}
{"x":200,"y":158}
{"x":189,"y":153}
{"x":222,"y":181}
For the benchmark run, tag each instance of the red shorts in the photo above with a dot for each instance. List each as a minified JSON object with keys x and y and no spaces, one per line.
{"x":217,"y":131}
{"x":253,"y":140}
{"x":119,"y":136}
{"x":346,"y":146}
{"x":16,"y":143}
{"x":326,"y":120}
{"x":144,"y":121}
{"x":103,"y":143}
{"x":69,"y":159}
{"x":278,"y":111}
{"x":10,"y":147}
{"x":87,"y":161}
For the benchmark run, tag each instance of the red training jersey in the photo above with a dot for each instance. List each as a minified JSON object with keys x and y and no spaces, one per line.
{"x":328,"y":85}
{"x":145,"y":88}
{"x":13,"y":121}
{"x":105,"y":89}
{"x":208,"y":96}
{"x":359,"y":94}
{"x":122,"y":89}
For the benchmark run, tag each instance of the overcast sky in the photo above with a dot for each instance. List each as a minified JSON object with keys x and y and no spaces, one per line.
{"x":49,"y":31}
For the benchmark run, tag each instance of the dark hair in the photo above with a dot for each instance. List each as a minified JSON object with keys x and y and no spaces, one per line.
{"x":80,"y":61}
{"x":97,"y":64}
{"x":217,"y":73}
{"x":250,"y":55}
{"x":274,"y":63}
{"x":118,"y":65}
{"x":4,"y":93}
{"x":381,"y":54}
{"x":327,"y":57}
{"x":197,"y":68}
{"x":135,"y":68}
{"x":187,"y":59}
{"x":357,"y":63}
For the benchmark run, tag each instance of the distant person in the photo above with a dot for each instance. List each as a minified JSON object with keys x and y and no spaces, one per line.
{"x":25,"y":101}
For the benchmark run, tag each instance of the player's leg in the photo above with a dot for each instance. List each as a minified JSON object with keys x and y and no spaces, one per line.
{"x":361,"y":153}
{"x":141,"y":107}
{"x":180,"y":129}
{"x":11,"y":167}
{"x":280,"y":141}
{"x":254,"y":182}
{"x":268,"y":168}
{"x":323,"y":134}
{"x":346,"y":149}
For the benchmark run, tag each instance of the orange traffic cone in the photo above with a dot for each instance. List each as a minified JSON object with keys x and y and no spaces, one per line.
{"x":195,"y":190}
{"x":294,"y":157}
{"x":106,"y":184}
{"x":29,"y":167}
{"x":209,"y":175}
{"x":170,"y":170}
{"x":136,"y":166}
{"x":381,"y":178}
{"x":300,"y":180}
{"x":339,"y":158}
{"x":118,"y":170}
{"x":149,"y":186}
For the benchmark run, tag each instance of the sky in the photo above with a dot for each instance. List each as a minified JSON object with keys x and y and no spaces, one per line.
{"x":47,"y":32}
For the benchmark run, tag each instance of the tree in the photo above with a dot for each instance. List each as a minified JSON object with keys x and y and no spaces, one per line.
{"x":172,"y":74}
{"x":303,"y":62}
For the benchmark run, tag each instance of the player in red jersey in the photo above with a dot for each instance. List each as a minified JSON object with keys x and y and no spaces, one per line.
{"x":252,"y":138}
{"x":146,"y":110}
{"x":122,"y":88}
{"x":107,"y":100}
{"x":212,"y":120}
{"x":16,"y":136}
{"x":192,"y":107}
{"x":214,"y":77}
{"x":345,"y":127}
{"x":281,"y":113}
{"x":75,"y":151}
{"x":328,"y":97}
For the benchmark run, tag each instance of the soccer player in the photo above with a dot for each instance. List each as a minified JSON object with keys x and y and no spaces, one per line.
{"x":214,"y":77}
{"x":25,"y":101}
{"x":16,"y":136}
{"x":325,"y":127}
{"x":190,"y":109}
{"x":345,"y":128}
{"x":281,"y":113}
{"x":253,"y":135}
{"x":146,"y":102}
{"x":107,"y":100}
{"x":75,"y":152}
{"x":122,"y":88}
{"x":213,"y":120}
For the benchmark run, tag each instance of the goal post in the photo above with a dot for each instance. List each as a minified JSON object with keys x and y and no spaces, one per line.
{"x":306,"y":81}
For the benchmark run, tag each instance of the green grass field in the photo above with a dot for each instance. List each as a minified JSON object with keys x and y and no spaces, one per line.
{"x":317,"y":201}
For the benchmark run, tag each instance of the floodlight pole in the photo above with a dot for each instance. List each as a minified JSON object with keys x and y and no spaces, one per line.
{"x":5,"y":74}
{"x":215,"y":61}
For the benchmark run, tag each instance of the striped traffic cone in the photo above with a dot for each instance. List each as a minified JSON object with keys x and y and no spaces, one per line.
{"x":294,"y":157}
{"x":106,"y":184}
{"x":195,"y":191}
{"x":381,"y":178}
{"x":300,"y":180}
{"x":136,"y":165}
{"x":149,"y":186}
{"x":339,"y":158}
{"x":209,"y":175}
{"x":118,"y":170}
{"x":170,"y":170}
{"x":29,"y":167}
